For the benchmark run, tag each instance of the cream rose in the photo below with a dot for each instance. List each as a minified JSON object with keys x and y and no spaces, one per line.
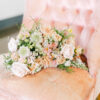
{"x":68,"y":51}
{"x":12,"y":45}
{"x":19,"y":69}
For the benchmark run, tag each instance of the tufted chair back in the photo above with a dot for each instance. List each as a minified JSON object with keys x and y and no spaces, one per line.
{"x":80,"y":15}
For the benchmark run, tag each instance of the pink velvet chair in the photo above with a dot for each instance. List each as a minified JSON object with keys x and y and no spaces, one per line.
{"x":53,"y":84}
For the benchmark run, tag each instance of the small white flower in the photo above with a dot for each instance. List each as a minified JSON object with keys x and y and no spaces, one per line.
{"x":68,"y":51}
{"x":12,"y":45}
{"x":31,"y":59}
{"x":56,"y":37}
{"x":24,"y":51}
{"x":37,"y":68}
{"x":19,"y":69}
{"x":45,"y":43}
{"x":67,"y":63}
{"x":79,"y":61}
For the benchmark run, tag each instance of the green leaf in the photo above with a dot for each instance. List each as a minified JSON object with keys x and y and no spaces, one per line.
{"x":81,"y":66}
{"x":61,"y":33}
{"x":69,"y":70}
{"x":69,"y":35}
{"x":63,"y":67}
{"x":24,"y":42}
{"x":10,"y":62}
{"x":7,"y":60}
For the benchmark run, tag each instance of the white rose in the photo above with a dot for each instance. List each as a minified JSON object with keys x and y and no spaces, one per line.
{"x":12,"y":45}
{"x":68,"y":51}
{"x":19,"y":69}
{"x":24,"y":51}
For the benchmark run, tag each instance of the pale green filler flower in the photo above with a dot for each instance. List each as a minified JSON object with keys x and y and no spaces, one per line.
{"x":36,"y":37}
{"x":24,"y":51}
{"x":39,"y":47}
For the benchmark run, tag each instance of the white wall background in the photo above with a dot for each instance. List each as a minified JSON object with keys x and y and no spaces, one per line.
{"x":11,"y":8}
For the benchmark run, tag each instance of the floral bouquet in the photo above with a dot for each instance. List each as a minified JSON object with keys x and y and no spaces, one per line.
{"x":42,"y":47}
